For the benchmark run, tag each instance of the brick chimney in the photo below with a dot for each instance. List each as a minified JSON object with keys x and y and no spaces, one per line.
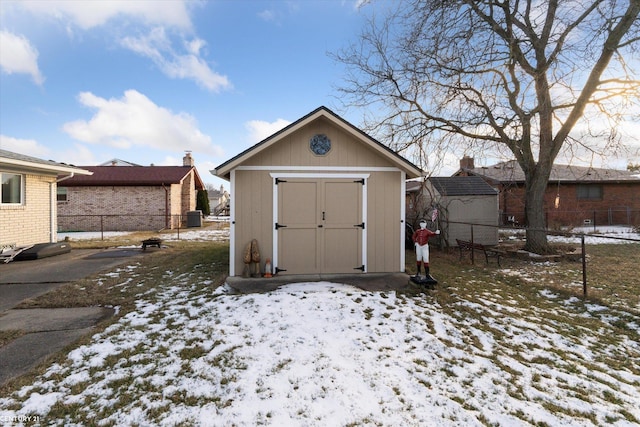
{"x":187,"y":160}
{"x":467,"y":163}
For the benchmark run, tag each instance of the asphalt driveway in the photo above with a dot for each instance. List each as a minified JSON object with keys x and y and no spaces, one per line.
{"x":47,"y":331}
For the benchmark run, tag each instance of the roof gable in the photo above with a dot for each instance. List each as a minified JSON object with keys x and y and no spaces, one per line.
{"x":225,"y":168}
{"x":118,"y":162}
{"x":134,"y":176}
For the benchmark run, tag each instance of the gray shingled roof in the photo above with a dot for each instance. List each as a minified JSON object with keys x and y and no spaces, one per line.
{"x":16,"y":159}
{"x":462,"y":186}
{"x":511,"y":172}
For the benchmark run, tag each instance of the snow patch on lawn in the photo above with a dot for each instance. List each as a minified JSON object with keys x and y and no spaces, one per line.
{"x":319,"y":354}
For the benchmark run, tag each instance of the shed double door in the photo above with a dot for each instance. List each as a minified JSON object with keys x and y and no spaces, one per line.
{"x":320,"y":226}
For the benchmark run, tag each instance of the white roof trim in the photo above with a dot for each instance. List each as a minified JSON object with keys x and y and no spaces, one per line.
{"x":405,"y":165}
{"x":60,"y":168}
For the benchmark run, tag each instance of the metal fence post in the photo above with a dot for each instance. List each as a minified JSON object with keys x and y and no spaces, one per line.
{"x":584,"y":267}
{"x":473,"y":261}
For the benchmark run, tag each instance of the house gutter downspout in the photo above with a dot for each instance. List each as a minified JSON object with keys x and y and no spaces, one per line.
{"x":166,"y":207}
{"x":53,"y":207}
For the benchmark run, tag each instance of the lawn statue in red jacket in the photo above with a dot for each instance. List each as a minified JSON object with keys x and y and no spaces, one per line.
{"x":421,"y":239}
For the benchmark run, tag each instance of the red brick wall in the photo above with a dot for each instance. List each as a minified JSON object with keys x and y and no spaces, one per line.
{"x":620,"y":204}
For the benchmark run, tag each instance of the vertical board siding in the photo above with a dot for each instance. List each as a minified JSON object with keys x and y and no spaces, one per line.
{"x":293,"y":150}
{"x":254,"y":191}
{"x":253,"y":216}
{"x":383,"y":246}
{"x":476,"y":210}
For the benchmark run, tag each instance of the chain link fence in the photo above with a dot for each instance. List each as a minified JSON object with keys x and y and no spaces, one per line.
{"x":604,"y":258}
{"x":558,"y":219}
{"x":121,"y":223}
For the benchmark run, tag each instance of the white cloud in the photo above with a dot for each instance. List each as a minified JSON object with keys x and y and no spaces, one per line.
{"x":360,"y":4}
{"x":79,"y":155}
{"x":189,"y":65}
{"x":268,"y":15}
{"x":134,"y":120}
{"x":90,"y":14}
{"x":259,"y":129}
{"x":183,"y":63}
{"x":28,"y":147}
{"x":19,"y":56}
{"x":76,"y":155}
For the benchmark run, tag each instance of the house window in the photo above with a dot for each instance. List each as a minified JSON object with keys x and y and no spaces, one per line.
{"x":62,"y":194}
{"x":11,"y":189}
{"x":589,"y":192}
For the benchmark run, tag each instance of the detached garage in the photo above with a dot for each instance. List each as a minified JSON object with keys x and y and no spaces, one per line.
{"x":320,"y":197}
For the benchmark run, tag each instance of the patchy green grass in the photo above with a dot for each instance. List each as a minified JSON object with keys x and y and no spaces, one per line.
{"x":124,"y":285}
{"x":486,"y":335}
{"x":206,"y":263}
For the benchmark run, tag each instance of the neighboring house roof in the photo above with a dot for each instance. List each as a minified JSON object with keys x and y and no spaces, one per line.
{"x":28,"y":163}
{"x":413,"y":186}
{"x":225,"y":168}
{"x":134,"y":176}
{"x":118,"y":162}
{"x":216,"y":194}
{"x":462,"y":186}
{"x":510,"y":172}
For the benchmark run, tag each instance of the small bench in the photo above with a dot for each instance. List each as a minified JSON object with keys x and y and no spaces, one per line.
{"x":488,"y":251}
{"x":154,"y":241}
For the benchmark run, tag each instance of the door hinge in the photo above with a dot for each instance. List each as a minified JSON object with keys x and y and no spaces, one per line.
{"x":280,"y":226}
{"x":361,"y":268}
{"x":278,"y":270}
{"x":278,"y":181}
{"x":361,"y":181}
{"x":361,"y":225}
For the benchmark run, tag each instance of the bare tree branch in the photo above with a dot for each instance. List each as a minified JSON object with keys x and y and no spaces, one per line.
{"x":479,"y":74}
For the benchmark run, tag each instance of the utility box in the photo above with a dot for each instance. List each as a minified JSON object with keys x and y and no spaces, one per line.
{"x":194,"y":219}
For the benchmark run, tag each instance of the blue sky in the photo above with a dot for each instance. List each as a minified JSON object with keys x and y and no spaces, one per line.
{"x":83,"y":82}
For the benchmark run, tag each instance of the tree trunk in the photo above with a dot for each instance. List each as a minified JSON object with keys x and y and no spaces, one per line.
{"x":534,"y":210}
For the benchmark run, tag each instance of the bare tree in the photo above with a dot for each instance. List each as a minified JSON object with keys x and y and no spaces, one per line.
{"x":515,"y":76}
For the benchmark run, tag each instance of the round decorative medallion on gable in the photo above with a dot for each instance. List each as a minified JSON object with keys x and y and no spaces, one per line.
{"x":320,"y":144}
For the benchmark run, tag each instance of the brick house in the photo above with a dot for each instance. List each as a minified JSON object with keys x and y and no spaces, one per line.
{"x":128,"y":198}
{"x":28,"y":198}
{"x":575,"y":195}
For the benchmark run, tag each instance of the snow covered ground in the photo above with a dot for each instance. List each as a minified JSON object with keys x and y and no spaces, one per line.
{"x":327,"y":354}
{"x":201,"y":234}
{"x":89,"y":235}
{"x":612,"y":234}
{"x":206,"y":234}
